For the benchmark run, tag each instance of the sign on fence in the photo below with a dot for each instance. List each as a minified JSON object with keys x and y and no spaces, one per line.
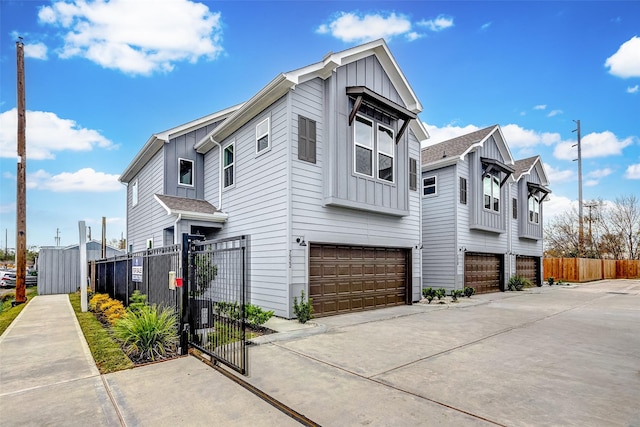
{"x":136,"y":269}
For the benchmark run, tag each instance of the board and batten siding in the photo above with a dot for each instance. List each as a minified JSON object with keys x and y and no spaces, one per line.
{"x":319,"y":223}
{"x":528,"y":229}
{"x":147,"y":219}
{"x":343,"y":186}
{"x":257,"y":205}
{"x":481,"y":218}
{"x":439,"y":229}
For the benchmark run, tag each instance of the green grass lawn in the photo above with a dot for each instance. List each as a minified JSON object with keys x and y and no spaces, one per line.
{"x":107,"y":353}
{"x":8,"y":313}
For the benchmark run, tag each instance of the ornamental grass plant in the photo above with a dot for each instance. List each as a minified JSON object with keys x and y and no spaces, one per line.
{"x":148,"y":333}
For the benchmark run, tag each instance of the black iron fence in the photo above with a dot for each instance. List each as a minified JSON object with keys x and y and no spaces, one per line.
{"x":212,"y":301}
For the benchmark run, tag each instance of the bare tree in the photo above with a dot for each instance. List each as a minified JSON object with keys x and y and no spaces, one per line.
{"x":625,"y":221}
{"x":561,"y":235}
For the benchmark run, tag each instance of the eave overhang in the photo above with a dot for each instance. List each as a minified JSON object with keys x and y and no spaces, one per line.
{"x":533,"y":188}
{"x":217,"y":216}
{"x":496,"y":165}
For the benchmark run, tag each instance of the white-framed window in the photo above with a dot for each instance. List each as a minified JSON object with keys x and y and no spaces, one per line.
{"x":386,"y":148}
{"x":134,"y":193}
{"x":228,"y":161}
{"x":429,"y":186}
{"x":491,"y":191}
{"x":263,"y":142}
{"x":185,"y":172}
{"x":363,"y":146}
{"x":463,"y":190}
{"x":534,"y":209}
{"x":149,"y":243}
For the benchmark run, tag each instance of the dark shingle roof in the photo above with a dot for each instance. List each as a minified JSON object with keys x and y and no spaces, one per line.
{"x":455,"y":146}
{"x":523,"y":165}
{"x":184,"y":204}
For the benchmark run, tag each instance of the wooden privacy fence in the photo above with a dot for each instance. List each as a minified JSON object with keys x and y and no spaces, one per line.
{"x":585,"y":269}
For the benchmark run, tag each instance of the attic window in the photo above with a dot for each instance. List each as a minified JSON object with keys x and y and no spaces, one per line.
{"x":365,"y":96}
{"x":185,"y":172}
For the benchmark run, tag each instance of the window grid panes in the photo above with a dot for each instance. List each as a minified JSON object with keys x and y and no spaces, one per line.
{"x":534,"y":209}
{"x":491,"y":191}
{"x":429,"y":186}
{"x":385,"y":153}
{"x":262,"y":135}
{"x":363,"y":138}
{"x":463,"y":190}
{"x":413,"y":174}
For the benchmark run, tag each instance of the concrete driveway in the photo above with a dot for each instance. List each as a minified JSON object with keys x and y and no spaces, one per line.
{"x":556,"y":355}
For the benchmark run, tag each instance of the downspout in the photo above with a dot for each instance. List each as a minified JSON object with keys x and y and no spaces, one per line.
{"x":176,"y":235}
{"x":219,"y":171}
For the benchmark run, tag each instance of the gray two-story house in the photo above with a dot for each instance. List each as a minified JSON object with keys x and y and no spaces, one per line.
{"x":320,"y":169}
{"x":481,"y":213}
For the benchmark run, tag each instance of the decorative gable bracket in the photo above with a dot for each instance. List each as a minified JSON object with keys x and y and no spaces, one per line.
{"x":366,"y":95}
{"x":495,"y":165}
{"x":533,"y":188}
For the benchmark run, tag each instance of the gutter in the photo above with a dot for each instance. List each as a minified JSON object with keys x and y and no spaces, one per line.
{"x":175,"y":229}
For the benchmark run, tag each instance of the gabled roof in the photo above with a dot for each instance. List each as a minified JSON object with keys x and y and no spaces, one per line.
{"x":454,"y":150}
{"x":525,"y":166}
{"x":156,"y":141}
{"x":323,"y":69}
{"x":190,"y":208}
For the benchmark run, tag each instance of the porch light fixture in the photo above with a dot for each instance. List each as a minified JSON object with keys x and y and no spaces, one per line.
{"x":300,"y":241}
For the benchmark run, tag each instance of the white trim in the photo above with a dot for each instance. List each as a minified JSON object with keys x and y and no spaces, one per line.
{"x":135,"y":193}
{"x":149,"y":244}
{"x":434,"y":185}
{"x":232,"y":164}
{"x":370,"y":148}
{"x":259,"y":136}
{"x":193,"y":172}
{"x":392,"y":154}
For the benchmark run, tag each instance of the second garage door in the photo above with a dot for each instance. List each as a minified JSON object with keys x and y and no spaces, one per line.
{"x":483,"y":272}
{"x":344,"y":279}
{"x":528,"y":267}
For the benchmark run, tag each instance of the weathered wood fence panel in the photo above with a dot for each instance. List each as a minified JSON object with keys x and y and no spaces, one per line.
{"x":585,"y":270}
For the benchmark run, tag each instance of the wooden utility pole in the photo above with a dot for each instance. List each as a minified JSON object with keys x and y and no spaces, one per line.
{"x":21,"y":197}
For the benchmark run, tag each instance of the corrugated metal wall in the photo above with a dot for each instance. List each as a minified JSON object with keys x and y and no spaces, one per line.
{"x":59,"y":268}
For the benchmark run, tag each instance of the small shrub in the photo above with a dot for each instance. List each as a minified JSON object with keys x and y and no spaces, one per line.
{"x":456,"y":293}
{"x":429,"y":294}
{"x":468,"y":291}
{"x":550,"y":281}
{"x":150,"y":333}
{"x":517,"y":283}
{"x":113,"y":310}
{"x":95,"y":303}
{"x":256,"y":316}
{"x":303,"y":310}
{"x":441,"y":293}
{"x":228,"y":309}
{"x":137,"y":300}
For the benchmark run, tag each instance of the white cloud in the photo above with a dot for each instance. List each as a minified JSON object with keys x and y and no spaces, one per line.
{"x":441,"y":22}
{"x":445,"y":133}
{"x":600,"y":173}
{"x":554,"y":113}
{"x":84,"y":180}
{"x":518,"y":137}
{"x":557,"y":205}
{"x":540,"y":107}
{"x":485,"y":26}
{"x":633,"y":89}
{"x":136,"y":37}
{"x":557,"y":175}
{"x":625,"y":62}
{"x":633,"y":172}
{"x":46,"y":134}
{"x":8,"y":208}
{"x":35,"y":50}
{"x":353,"y":27}
{"x":595,"y":144}
{"x":591,"y":182}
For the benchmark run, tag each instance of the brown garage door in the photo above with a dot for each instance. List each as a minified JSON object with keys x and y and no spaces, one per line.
{"x":483,"y":272}
{"x":343,"y":279}
{"x":528,"y":267}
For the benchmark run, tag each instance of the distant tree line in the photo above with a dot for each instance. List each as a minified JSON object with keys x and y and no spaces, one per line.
{"x":611,"y":231}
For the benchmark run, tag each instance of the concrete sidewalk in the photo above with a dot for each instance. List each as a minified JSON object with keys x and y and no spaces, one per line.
{"x":48,"y":377}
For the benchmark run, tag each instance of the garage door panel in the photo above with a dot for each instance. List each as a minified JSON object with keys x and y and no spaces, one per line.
{"x":356,"y":278}
{"x":528,"y":267}
{"x":483,"y":272}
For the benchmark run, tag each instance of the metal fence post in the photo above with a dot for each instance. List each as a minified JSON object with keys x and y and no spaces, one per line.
{"x":184,"y":306}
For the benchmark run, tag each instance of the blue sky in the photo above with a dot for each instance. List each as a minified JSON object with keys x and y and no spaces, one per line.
{"x":102,"y":77}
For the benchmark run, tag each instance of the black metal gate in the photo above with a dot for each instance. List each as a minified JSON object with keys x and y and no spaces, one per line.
{"x":215,"y":297}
